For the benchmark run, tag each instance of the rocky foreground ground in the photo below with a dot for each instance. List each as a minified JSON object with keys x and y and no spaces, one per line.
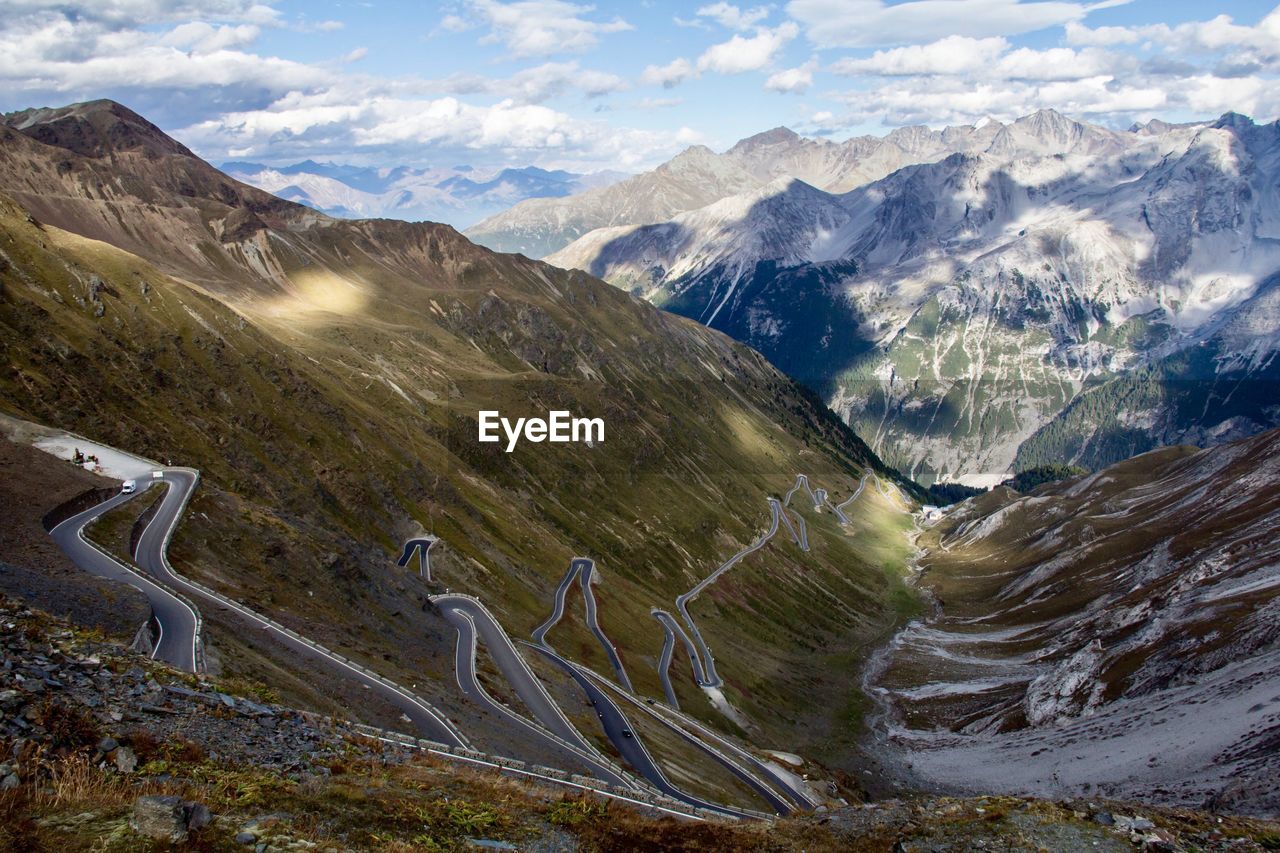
{"x":101,"y":748}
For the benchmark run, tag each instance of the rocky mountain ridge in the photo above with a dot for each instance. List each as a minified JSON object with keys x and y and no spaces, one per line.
{"x":969,"y":315}
{"x":699,"y":176}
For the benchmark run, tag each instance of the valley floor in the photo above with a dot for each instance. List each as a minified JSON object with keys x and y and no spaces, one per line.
{"x":1213,"y":743}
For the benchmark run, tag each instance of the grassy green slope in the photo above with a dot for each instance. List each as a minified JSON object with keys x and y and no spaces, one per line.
{"x":331,"y":406}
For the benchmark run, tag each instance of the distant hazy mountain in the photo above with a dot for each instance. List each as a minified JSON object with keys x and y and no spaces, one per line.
{"x":1048,"y":291}
{"x":459,"y":196}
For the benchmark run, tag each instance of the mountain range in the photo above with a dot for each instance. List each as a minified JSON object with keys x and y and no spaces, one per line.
{"x":459,"y":196}
{"x":320,"y":380}
{"x":699,"y":176}
{"x":984,"y":299}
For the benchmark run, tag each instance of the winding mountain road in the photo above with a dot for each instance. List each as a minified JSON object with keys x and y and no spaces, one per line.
{"x":177,"y":622}
{"x":593,"y":622}
{"x":179,"y":625}
{"x":671,"y":628}
{"x":710,"y":678}
{"x":584,"y":569}
{"x":721,"y":749}
{"x":474,"y":624}
{"x":619,"y":731}
{"x":180,"y":622}
{"x":422,"y":545}
{"x":838,"y":509}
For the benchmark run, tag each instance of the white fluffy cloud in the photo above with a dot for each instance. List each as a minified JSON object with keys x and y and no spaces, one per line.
{"x":950,"y":55}
{"x":672,"y":74}
{"x":345,"y":119}
{"x":742,"y":53}
{"x":530,"y":28}
{"x":1116,"y":74}
{"x":1217,"y":35}
{"x":144,"y":12}
{"x":871,"y":23}
{"x":734,"y":17}
{"x":988,"y":58}
{"x":200,"y":37}
{"x":536,"y":84}
{"x":52,"y":52}
{"x":792,"y":80}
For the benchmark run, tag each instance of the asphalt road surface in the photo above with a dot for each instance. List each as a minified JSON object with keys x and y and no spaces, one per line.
{"x":672,"y":629}
{"x":710,"y":678}
{"x":176,"y":621}
{"x":615,"y":726}
{"x":474,"y":623}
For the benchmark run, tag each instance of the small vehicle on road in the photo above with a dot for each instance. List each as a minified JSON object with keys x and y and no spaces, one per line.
{"x":627,"y":733}
{"x":128,"y":487}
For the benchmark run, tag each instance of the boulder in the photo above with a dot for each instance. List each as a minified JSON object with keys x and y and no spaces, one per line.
{"x":125,"y":759}
{"x":168,"y":818}
{"x":161,"y":818}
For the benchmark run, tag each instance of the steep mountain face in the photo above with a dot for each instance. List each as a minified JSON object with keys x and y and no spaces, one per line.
{"x":326,"y":375}
{"x":1120,"y":627}
{"x":459,"y":196}
{"x":1068,"y":294}
{"x":699,"y":177}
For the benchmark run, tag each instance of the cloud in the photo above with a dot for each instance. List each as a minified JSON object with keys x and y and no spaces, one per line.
{"x":136,"y":13}
{"x":200,"y":37}
{"x":938,"y":101}
{"x":988,"y":58}
{"x":734,"y":17}
{"x":1110,"y":74}
{"x":530,"y":28}
{"x":950,"y":55}
{"x":455,"y":24}
{"x":667,"y":76}
{"x":1079,"y":34}
{"x":871,"y":23}
{"x":737,"y":55}
{"x":657,"y":103}
{"x":690,"y":23}
{"x":1221,"y":34}
{"x":537,"y":84}
{"x":395,"y":129}
{"x":55,"y":53}
{"x":740,"y":53}
{"x":792,"y":80}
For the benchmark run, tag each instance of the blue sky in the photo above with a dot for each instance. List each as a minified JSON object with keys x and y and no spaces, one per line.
{"x":624,"y":86}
